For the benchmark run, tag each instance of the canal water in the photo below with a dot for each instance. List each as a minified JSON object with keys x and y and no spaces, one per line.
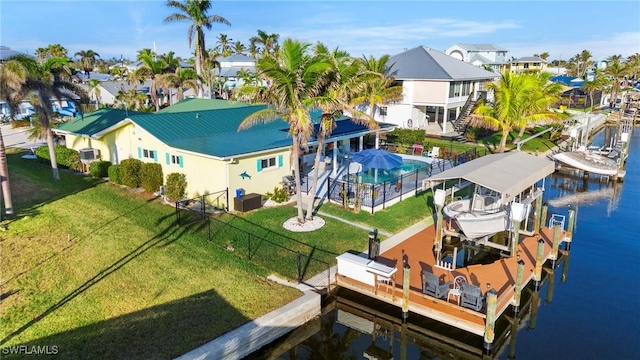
{"x":588,"y":308}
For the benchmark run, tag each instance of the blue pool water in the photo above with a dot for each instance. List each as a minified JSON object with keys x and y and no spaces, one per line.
{"x":408,"y":166}
{"x":592,"y":313}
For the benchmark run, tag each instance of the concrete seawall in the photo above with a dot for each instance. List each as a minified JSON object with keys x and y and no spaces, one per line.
{"x":250,"y":337}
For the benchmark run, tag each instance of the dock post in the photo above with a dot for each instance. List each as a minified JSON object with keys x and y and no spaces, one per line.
{"x":437,"y":244}
{"x":489,"y":329}
{"x":537,"y":215}
{"x":557,"y":230}
{"x":515,"y":237}
{"x":569,"y":234}
{"x":512,"y":341}
{"x":550,"y":285}
{"x":535,"y":302}
{"x":406,"y":278}
{"x":543,"y":217}
{"x":537,"y":276}
{"x":518,"y":290}
{"x":565,"y":267}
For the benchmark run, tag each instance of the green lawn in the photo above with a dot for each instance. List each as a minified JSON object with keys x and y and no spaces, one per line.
{"x":536,"y":144}
{"x":104,"y":272}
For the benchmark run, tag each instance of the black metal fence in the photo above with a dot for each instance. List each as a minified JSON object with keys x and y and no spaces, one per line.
{"x":284,"y":255}
{"x":350,"y":191}
{"x":195,"y":209}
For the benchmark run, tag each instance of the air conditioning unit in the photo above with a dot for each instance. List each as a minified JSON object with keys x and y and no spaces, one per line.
{"x":88,"y":155}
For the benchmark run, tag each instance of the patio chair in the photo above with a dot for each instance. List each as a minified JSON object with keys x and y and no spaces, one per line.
{"x":431,"y":285}
{"x":434,"y":153}
{"x":471,"y":297}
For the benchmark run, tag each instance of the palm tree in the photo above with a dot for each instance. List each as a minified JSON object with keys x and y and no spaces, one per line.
{"x":57,"y":50}
{"x":181,"y":78}
{"x":295,"y":80}
{"x":224,"y":44}
{"x":150,"y":68}
{"x":42,"y":54}
{"x":87,"y":60}
{"x":59,"y":68}
{"x":633,"y":61}
{"x":590,"y":87}
{"x":196,"y":12}
{"x":343,"y":81}
{"x":253,"y":50}
{"x":616,"y":70}
{"x":131,"y":99}
{"x":511,"y":93}
{"x":379,"y":89}
{"x":544,"y":93}
{"x":4,"y":180}
{"x":94,"y":89}
{"x":268,"y":41}
{"x":239,"y":47}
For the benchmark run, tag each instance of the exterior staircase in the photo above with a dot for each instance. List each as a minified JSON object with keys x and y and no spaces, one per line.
{"x":460,"y":124}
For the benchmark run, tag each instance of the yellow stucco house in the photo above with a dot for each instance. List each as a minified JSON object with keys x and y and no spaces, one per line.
{"x":199,"y":138}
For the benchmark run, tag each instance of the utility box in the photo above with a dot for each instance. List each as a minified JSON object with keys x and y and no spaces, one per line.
{"x":247,"y":202}
{"x":374,"y":245}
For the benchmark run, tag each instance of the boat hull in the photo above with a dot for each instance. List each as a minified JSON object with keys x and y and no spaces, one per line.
{"x":589,"y":162}
{"x":476,"y":224}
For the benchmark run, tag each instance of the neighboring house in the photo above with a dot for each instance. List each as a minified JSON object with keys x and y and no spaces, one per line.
{"x":435,"y":88}
{"x":481,"y":55}
{"x":231,"y":65}
{"x":528,"y":64}
{"x":200,"y":138}
{"x":109,"y":91}
{"x":6,"y":53}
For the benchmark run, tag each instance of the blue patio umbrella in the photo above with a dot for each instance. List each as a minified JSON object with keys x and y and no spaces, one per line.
{"x":377,"y":159}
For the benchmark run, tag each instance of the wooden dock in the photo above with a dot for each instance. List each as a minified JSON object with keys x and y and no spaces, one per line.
{"x":500,"y":276}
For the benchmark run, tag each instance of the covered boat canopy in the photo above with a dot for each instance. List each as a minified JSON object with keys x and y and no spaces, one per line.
{"x":508,"y":173}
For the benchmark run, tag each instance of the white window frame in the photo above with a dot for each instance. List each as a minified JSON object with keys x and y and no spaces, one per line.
{"x":271,"y":163}
{"x":148,"y":154}
{"x":175,"y":160}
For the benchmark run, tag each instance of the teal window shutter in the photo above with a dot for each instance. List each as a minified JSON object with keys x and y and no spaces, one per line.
{"x":155,"y":156}
{"x":139,"y":153}
{"x":280,"y":160}
{"x":259,"y":165}
{"x":180,"y":161}
{"x":168,"y":158}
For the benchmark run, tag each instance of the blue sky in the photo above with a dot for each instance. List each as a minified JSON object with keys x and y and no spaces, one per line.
{"x":112,"y":28}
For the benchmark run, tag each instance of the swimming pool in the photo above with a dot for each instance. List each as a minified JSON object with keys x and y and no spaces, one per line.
{"x":370,"y":176}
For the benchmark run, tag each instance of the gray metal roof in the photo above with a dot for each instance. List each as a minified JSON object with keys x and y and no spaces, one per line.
{"x":114,"y":86}
{"x":484,"y":60}
{"x":530,"y":59}
{"x":508,"y":173}
{"x":481,"y":47}
{"x":6,"y":52}
{"x":236,"y":58}
{"x":423,"y":63}
{"x":233,"y":70}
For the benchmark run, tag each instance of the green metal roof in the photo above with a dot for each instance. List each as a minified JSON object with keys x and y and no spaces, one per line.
{"x":95,"y":121}
{"x":200,"y":105}
{"x":204,"y":126}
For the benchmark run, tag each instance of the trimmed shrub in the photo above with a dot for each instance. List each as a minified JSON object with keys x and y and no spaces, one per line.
{"x":176,"y":186}
{"x":279,"y":195}
{"x":114,"y":174}
{"x":151,"y":176}
{"x":99,"y":169}
{"x":65,"y":157}
{"x":130,"y":172}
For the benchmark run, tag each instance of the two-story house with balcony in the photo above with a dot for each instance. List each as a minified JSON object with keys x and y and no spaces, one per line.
{"x":481,"y":55}
{"x":435,"y":88}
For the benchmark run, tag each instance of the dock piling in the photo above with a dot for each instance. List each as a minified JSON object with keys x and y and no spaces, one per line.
{"x":557,"y":230}
{"x":550,"y":286}
{"x":437,"y":244}
{"x":543,"y":217}
{"x":537,"y":215}
{"x":406,"y":284}
{"x":489,"y":330}
{"x":569,"y":234}
{"x":535,"y":303}
{"x":537,"y":276}
{"x":518,"y":290}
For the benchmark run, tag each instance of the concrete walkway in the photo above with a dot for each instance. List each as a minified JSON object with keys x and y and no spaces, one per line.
{"x":18,"y":138}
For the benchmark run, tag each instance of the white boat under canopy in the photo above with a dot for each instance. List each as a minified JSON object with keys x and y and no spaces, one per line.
{"x":497,"y":181}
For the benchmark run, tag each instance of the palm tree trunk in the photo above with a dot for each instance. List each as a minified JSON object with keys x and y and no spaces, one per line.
{"x":296,"y":175}
{"x":503,"y":140}
{"x":199,"y":72}
{"x":52,"y":154}
{"x":316,"y":166}
{"x":520,"y":134}
{"x":4,"y":178}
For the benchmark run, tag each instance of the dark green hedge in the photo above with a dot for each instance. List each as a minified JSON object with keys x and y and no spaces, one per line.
{"x":99,"y":169}
{"x":114,"y":174}
{"x":151,"y":176}
{"x":176,"y":186}
{"x":66,"y":158}
{"x":130,"y":172}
